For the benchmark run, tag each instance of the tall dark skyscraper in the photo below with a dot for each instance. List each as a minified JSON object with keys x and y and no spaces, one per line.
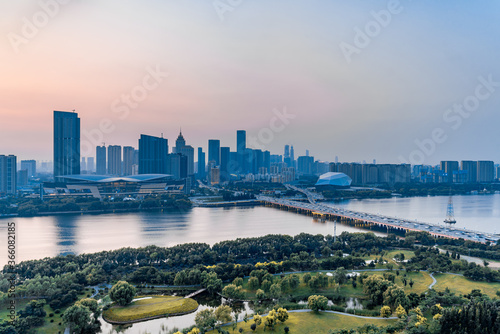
{"x":8,"y":174}
{"x":214,"y":151}
{"x":241,"y":146}
{"x":201,"y":164}
{"x":100,"y":155}
{"x":224,"y":162}
{"x":153,"y":153}
{"x":66,"y":143}
{"x":471,"y":168}
{"x":114,"y":160}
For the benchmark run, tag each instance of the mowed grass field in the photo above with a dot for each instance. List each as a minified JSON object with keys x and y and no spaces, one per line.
{"x":462,"y":285}
{"x":312,"y":323}
{"x":153,"y":306}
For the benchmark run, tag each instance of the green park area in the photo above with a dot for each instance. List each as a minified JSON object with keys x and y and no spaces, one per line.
{"x":313,"y":322}
{"x":462,"y":285}
{"x":148,"y":307}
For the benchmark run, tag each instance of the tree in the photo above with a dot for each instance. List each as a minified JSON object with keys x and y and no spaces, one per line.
{"x":211,"y":282}
{"x":266,"y":285}
{"x":340,"y":275}
{"x":253,"y":283}
{"x":253,"y":327}
{"x":205,"y":319}
{"x":400,"y":311}
{"x":238,"y":281}
{"x":122,"y":293}
{"x":275,"y":291}
{"x":234,"y":292}
{"x":77,"y":317}
{"x":223,"y":314}
{"x":306,"y":278}
{"x":317,"y":303}
{"x":270,"y":319}
{"x":92,"y":304}
{"x":385,"y":311}
{"x":260,"y":294}
{"x":411,"y":283}
{"x":282,"y":314}
{"x":257,"y":319}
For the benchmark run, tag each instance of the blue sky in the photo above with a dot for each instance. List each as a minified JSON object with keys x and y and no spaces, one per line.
{"x":231,"y":73}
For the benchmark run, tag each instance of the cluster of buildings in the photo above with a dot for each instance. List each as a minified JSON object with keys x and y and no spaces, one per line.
{"x":153,"y":167}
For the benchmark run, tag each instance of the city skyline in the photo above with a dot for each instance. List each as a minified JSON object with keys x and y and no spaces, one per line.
{"x":383,"y":100}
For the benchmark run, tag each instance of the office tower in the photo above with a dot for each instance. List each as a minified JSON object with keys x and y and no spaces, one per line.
{"x":241,"y":146}
{"x":177,"y":166}
{"x":224,"y":162}
{"x":292,"y":156}
{"x":449,"y":168}
{"x":307,"y":153}
{"x":90,"y":164}
{"x":66,"y":143}
{"x":128,"y":159}
{"x":498,"y":172}
{"x":214,"y":151}
{"x":83,"y":165}
{"x":267,"y":160}
{"x":188,"y":152}
{"x":114,"y":160}
{"x":8,"y":174}
{"x":30,"y":166}
{"x":153,"y":152}
{"x":305,"y":164}
{"x":336,"y":159}
{"x":201,"y":164}
{"x":485,"y":171}
{"x":100,"y":154}
{"x":179,"y":143}
{"x":470,"y":167}
{"x":276,"y":158}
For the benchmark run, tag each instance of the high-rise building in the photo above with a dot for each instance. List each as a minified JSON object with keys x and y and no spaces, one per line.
{"x":187,"y":151}
{"x":292,"y":156}
{"x":241,"y":146}
{"x":83,"y":165}
{"x":153,"y":152}
{"x":8,"y":174}
{"x":114,"y":160}
{"x":214,"y":175}
{"x":449,"y":168}
{"x":224,"y":162}
{"x":485,"y":171}
{"x":22,"y":178}
{"x":30,"y":166}
{"x":201,"y":164}
{"x":214,"y":151}
{"x":66,"y":143}
{"x":128,"y":159}
{"x":100,"y":154}
{"x":470,"y":167}
{"x":90,"y":164}
{"x":305,"y":164}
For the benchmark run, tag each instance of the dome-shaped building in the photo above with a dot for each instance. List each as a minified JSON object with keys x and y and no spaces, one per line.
{"x":334,"y":181}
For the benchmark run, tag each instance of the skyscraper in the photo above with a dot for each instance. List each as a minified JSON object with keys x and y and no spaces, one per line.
{"x":128,"y":159}
{"x":153,"y":152}
{"x":100,"y":154}
{"x":114,"y":160}
{"x":485,"y":171}
{"x":450,"y":168}
{"x":83,"y":164}
{"x":187,"y":151}
{"x":214,"y":151}
{"x":224,"y":162}
{"x":471,"y":168}
{"x":90,"y":164}
{"x":66,"y":143}
{"x":241,"y":146}
{"x":8,"y":174}
{"x":201,"y":164}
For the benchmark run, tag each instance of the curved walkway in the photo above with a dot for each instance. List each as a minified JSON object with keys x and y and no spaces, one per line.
{"x":344,"y":313}
{"x":434,"y":281}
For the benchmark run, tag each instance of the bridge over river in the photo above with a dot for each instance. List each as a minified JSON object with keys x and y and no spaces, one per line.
{"x":373,"y":221}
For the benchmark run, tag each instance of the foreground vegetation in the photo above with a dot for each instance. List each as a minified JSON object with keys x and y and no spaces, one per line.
{"x":253,"y":269}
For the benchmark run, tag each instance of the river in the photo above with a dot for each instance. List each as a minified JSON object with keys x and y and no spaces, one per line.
{"x":40,"y":237}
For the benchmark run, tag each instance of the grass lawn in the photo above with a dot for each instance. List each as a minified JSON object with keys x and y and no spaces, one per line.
{"x":421,"y":280}
{"x":390,"y":255}
{"x":153,"y":306}
{"x":313,"y":323}
{"x":462,"y":285}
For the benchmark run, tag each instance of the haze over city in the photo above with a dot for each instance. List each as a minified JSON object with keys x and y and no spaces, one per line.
{"x":362,"y":80}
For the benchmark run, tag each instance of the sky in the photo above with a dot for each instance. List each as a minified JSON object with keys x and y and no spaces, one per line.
{"x":395,"y":81}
